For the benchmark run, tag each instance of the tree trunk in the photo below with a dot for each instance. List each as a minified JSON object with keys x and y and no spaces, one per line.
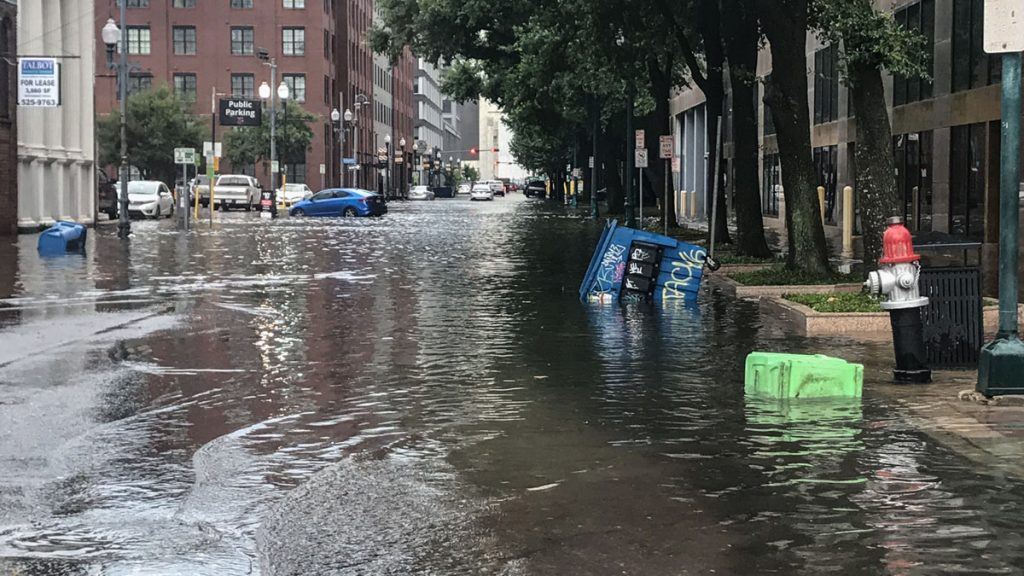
{"x":610,"y":155}
{"x":659,"y":123}
{"x":785,"y":24}
{"x":876,"y":183}
{"x":710,"y":25}
{"x":741,"y":38}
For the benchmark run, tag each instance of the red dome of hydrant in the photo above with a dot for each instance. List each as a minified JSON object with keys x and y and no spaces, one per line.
{"x":898,"y":244}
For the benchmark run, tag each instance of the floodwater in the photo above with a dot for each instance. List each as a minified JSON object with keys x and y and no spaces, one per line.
{"x":423,"y":394}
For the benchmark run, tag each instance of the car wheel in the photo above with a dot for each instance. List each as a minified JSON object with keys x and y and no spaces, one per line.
{"x":350,"y":212}
{"x":171,"y":213}
{"x":156,"y":215}
{"x":299,"y":212}
{"x":112,"y":214}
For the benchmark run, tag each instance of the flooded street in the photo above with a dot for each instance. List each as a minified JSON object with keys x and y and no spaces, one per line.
{"x":424,"y":394}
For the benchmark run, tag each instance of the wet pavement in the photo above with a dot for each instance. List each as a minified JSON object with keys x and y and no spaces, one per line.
{"x":423,"y":394}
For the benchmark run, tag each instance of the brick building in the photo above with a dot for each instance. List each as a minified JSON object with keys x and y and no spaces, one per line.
{"x":201,"y":46}
{"x":8,"y":120}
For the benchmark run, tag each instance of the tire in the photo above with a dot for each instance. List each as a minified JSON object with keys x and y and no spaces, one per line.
{"x":171,"y":213}
{"x":299,"y":212}
{"x":349,"y":212}
{"x":112,"y":214}
{"x":157,"y":215}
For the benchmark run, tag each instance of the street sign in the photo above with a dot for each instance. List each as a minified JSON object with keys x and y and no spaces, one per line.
{"x":240,"y":112}
{"x":348,"y":161}
{"x":184,"y":155}
{"x":275,"y":166}
{"x":675,"y":164}
{"x":421,"y":146}
{"x":399,"y":160}
{"x":38,"y":82}
{"x":1004,"y":26}
{"x":641,"y":158}
{"x":323,"y":169}
{"x":641,"y":139}
{"x":666,"y":147}
{"x":206,"y":150}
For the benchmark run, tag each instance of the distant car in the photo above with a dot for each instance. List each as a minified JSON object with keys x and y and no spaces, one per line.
{"x":421,"y":193}
{"x":482,"y":191}
{"x":346,"y":202}
{"x":201,"y":188}
{"x":293,"y":193}
{"x":497,"y":186}
{"x":149,"y":199}
{"x":106,"y":195}
{"x":464,"y":189}
{"x":236,"y":191}
{"x":535,"y":189}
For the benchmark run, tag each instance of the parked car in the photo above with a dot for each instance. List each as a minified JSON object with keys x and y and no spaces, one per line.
{"x":482,"y":191}
{"x":236,"y":191}
{"x":201,"y":187}
{"x":535,"y":189}
{"x":464,"y":189}
{"x":421,"y":193}
{"x":293,"y":193}
{"x":497,"y":186}
{"x":106,"y":196}
{"x":149,"y":199}
{"x":341,"y":202}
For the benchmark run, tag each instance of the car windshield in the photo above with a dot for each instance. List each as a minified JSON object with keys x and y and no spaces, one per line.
{"x":146,"y":188}
{"x":202,"y":181}
{"x":295,"y":187}
{"x":229,"y":181}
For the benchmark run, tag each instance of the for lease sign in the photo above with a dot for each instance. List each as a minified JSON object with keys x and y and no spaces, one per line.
{"x":38,"y":82}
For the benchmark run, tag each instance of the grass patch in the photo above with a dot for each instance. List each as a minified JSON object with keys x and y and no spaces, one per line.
{"x":779,"y":275}
{"x":731,"y":258}
{"x":837,"y":303}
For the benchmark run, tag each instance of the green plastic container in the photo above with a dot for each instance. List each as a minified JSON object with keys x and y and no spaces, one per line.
{"x":770,"y":375}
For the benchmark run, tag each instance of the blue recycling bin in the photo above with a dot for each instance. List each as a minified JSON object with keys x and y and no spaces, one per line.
{"x":639,"y":266}
{"x":61,"y":238}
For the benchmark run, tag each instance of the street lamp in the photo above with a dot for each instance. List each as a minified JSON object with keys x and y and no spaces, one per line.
{"x":401,"y":186}
{"x":283,"y":94}
{"x":620,"y":41}
{"x":111,"y":34}
{"x":387,"y":164}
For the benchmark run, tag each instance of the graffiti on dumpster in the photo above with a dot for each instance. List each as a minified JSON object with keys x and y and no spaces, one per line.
{"x":682,"y":275}
{"x":613,"y":267}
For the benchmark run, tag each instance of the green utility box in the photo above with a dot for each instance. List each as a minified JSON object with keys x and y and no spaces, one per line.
{"x":771,"y":375}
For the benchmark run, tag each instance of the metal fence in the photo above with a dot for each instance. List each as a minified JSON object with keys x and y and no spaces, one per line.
{"x":953,"y":321}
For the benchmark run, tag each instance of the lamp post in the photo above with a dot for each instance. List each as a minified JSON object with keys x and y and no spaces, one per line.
{"x":437,"y":168}
{"x":630,"y":143}
{"x":402,"y":185}
{"x":341,"y":120}
{"x":360,"y":101}
{"x":111,"y":34}
{"x":387,"y":164}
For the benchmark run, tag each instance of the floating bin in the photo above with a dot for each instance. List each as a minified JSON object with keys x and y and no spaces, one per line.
{"x":61,"y":238}
{"x":771,"y":375}
{"x":634,"y":265}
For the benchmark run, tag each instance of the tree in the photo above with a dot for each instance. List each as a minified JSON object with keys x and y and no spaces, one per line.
{"x":249,"y":145}
{"x":784,"y":23}
{"x":470,"y":173}
{"x":871,"y":41}
{"x":158,"y":122}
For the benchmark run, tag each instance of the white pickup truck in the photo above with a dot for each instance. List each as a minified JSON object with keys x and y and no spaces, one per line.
{"x":236,"y":191}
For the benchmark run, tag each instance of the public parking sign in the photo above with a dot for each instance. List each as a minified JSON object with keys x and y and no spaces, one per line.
{"x":240,"y":112}
{"x":184,"y":155}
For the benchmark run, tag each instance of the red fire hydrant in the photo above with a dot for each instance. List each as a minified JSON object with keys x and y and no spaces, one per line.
{"x":898,"y":280}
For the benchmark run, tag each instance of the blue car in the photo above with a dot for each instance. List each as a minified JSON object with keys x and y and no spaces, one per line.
{"x":340,"y":202}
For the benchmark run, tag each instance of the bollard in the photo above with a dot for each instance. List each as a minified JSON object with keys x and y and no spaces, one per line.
{"x":683,"y":207}
{"x":848,"y":222}
{"x":821,"y":203}
{"x":898,"y":280}
{"x":693,"y":204}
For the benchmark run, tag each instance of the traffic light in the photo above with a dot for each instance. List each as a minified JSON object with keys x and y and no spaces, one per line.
{"x":494,"y":150}
{"x":472,"y":151}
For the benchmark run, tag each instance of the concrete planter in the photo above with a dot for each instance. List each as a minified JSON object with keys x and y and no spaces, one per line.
{"x":733,"y":288}
{"x":804,"y":321}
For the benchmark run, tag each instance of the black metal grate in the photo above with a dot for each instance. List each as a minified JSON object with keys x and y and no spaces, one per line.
{"x":953,"y":322}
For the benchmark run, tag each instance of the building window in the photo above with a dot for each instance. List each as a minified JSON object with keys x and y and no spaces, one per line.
{"x":912,"y":155}
{"x":6,"y":46}
{"x":137,"y":4}
{"x":967,"y":181}
{"x":296,"y":173}
{"x":184,"y":40}
{"x":184,"y":3}
{"x":919,"y":18}
{"x":771,"y":185}
{"x":139,"y":41}
{"x":972,"y":67}
{"x":241,"y":3}
{"x":826,"y":85}
{"x":243,"y":85}
{"x":826,"y":164}
{"x":297,"y":85}
{"x":295,"y":4}
{"x":140,"y":83}
{"x":242,"y":41}
{"x":185,"y":86}
{"x":327,"y":92}
{"x":293,"y":41}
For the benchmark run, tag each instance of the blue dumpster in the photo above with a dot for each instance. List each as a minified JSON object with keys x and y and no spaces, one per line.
{"x":61,"y":238}
{"x":638,"y":266}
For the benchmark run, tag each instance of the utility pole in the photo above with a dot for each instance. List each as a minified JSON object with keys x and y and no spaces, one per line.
{"x":1002,"y":361}
{"x":595,"y":212}
{"x":630,"y":151}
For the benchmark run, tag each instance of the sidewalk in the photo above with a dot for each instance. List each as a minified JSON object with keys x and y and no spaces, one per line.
{"x":989,"y":432}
